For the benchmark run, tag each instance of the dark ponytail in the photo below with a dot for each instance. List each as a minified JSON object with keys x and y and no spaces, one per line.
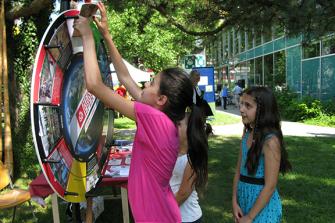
{"x":177,"y":86}
{"x":198,"y":146}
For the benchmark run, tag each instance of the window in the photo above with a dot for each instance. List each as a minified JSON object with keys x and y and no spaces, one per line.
{"x":311,"y":50}
{"x":268,"y":70}
{"x":250,"y":40}
{"x":258,"y":37}
{"x":259,"y":71}
{"x":328,"y":45}
{"x":278,"y":31}
{"x":267,"y":34}
{"x":251,"y":73}
{"x":230,"y":43}
{"x":237,"y":41}
{"x":242,"y":36}
{"x":279,"y":69}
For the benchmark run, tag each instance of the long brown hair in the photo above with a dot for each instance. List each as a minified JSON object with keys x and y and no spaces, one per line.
{"x":267,"y":122}
{"x":176,"y":85}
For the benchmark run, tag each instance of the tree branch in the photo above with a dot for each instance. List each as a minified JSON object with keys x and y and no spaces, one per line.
{"x":25,"y":11}
{"x":161,"y":8}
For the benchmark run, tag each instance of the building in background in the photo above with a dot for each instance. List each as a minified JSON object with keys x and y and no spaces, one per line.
{"x":272,"y":59}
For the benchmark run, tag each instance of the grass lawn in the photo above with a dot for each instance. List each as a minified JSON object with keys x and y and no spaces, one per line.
{"x":308,"y":192}
{"x":220,"y":118}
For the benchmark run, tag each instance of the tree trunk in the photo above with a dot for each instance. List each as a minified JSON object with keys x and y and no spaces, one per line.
{"x":8,"y":134}
{"x":2,"y":18}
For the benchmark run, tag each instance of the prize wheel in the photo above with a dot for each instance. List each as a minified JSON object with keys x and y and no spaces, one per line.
{"x":71,"y":127}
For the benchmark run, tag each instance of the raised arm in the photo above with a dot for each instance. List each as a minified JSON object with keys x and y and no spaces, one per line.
{"x":120,"y":68}
{"x":93,"y":80}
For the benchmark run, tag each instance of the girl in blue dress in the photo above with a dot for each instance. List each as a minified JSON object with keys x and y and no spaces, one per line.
{"x":261,"y":158}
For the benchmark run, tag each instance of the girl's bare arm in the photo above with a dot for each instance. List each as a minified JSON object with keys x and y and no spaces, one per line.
{"x":186,"y":186}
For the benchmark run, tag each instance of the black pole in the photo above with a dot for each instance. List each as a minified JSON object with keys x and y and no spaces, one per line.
{"x":76,"y":213}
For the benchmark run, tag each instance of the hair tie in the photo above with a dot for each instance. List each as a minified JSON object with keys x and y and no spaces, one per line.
{"x":188,"y":109}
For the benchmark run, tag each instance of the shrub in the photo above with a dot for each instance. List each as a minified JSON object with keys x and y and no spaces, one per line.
{"x":293,"y":108}
{"x":329,"y":107}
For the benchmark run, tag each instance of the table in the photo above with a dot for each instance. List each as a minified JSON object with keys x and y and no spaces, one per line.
{"x":39,"y":188}
{"x":114,"y":173}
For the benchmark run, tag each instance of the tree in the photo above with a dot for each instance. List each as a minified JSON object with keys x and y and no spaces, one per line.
{"x":140,"y":32}
{"x":313,"y":18}
{"x":22,"y":39}
{"x":159,"y":32}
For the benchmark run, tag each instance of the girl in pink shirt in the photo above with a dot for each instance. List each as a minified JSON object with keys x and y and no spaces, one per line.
{"x":159,"y":108}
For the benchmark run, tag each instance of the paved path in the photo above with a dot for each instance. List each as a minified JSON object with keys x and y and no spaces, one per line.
{"x":288,"y":128}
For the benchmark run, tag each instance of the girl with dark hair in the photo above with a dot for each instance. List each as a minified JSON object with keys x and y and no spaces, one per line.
{"x":158,"y":110}
{"x":190,"y":174}
{"x":261,"y":158}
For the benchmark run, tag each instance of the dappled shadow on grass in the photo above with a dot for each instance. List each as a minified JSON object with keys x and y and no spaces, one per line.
{"x":126,"y":134}
{"x":113,"y":212}
{"x":312,"y":156}
{"x":308,"y":192}
{"x":312,"y":197}
{"x":216,"y":202}
{"x":24,"y":214}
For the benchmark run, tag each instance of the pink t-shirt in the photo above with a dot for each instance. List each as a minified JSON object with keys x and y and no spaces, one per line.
{"x":154,"y":155}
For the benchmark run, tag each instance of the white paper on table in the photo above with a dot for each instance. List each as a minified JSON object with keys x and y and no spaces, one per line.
{"x":115,"y":162}
{"x":112,"y":171}
{"x":124,"y":171}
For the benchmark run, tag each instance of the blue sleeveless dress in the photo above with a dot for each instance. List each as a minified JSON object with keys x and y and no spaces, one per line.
{"x":247,"y":193}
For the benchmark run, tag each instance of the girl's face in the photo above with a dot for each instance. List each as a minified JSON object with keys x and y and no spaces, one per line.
{"x":248,"y":107}
{"x":150,"y":94}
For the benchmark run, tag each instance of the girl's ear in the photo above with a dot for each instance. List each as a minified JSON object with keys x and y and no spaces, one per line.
{"x":162,"y":99}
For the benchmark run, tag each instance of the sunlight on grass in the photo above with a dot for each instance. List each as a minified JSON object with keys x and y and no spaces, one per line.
{"x":216,"y":214}
{"x":124,"y":123}
{"x":291,"y":202}
{"x":329,"y":182}
{"x":310,"y":179}
{"x":214,"y":161}
{"x":213,"y":209}
{"x":212,"y":175}
{"x":221,"y":118}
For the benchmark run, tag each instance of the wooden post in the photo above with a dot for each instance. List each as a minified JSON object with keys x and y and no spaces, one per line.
{"x":125,"y":208}
{"x":89,"y":211}
{"x":55,"y":209}
{"x":8,"y":132}
{"x":2,"y":18}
